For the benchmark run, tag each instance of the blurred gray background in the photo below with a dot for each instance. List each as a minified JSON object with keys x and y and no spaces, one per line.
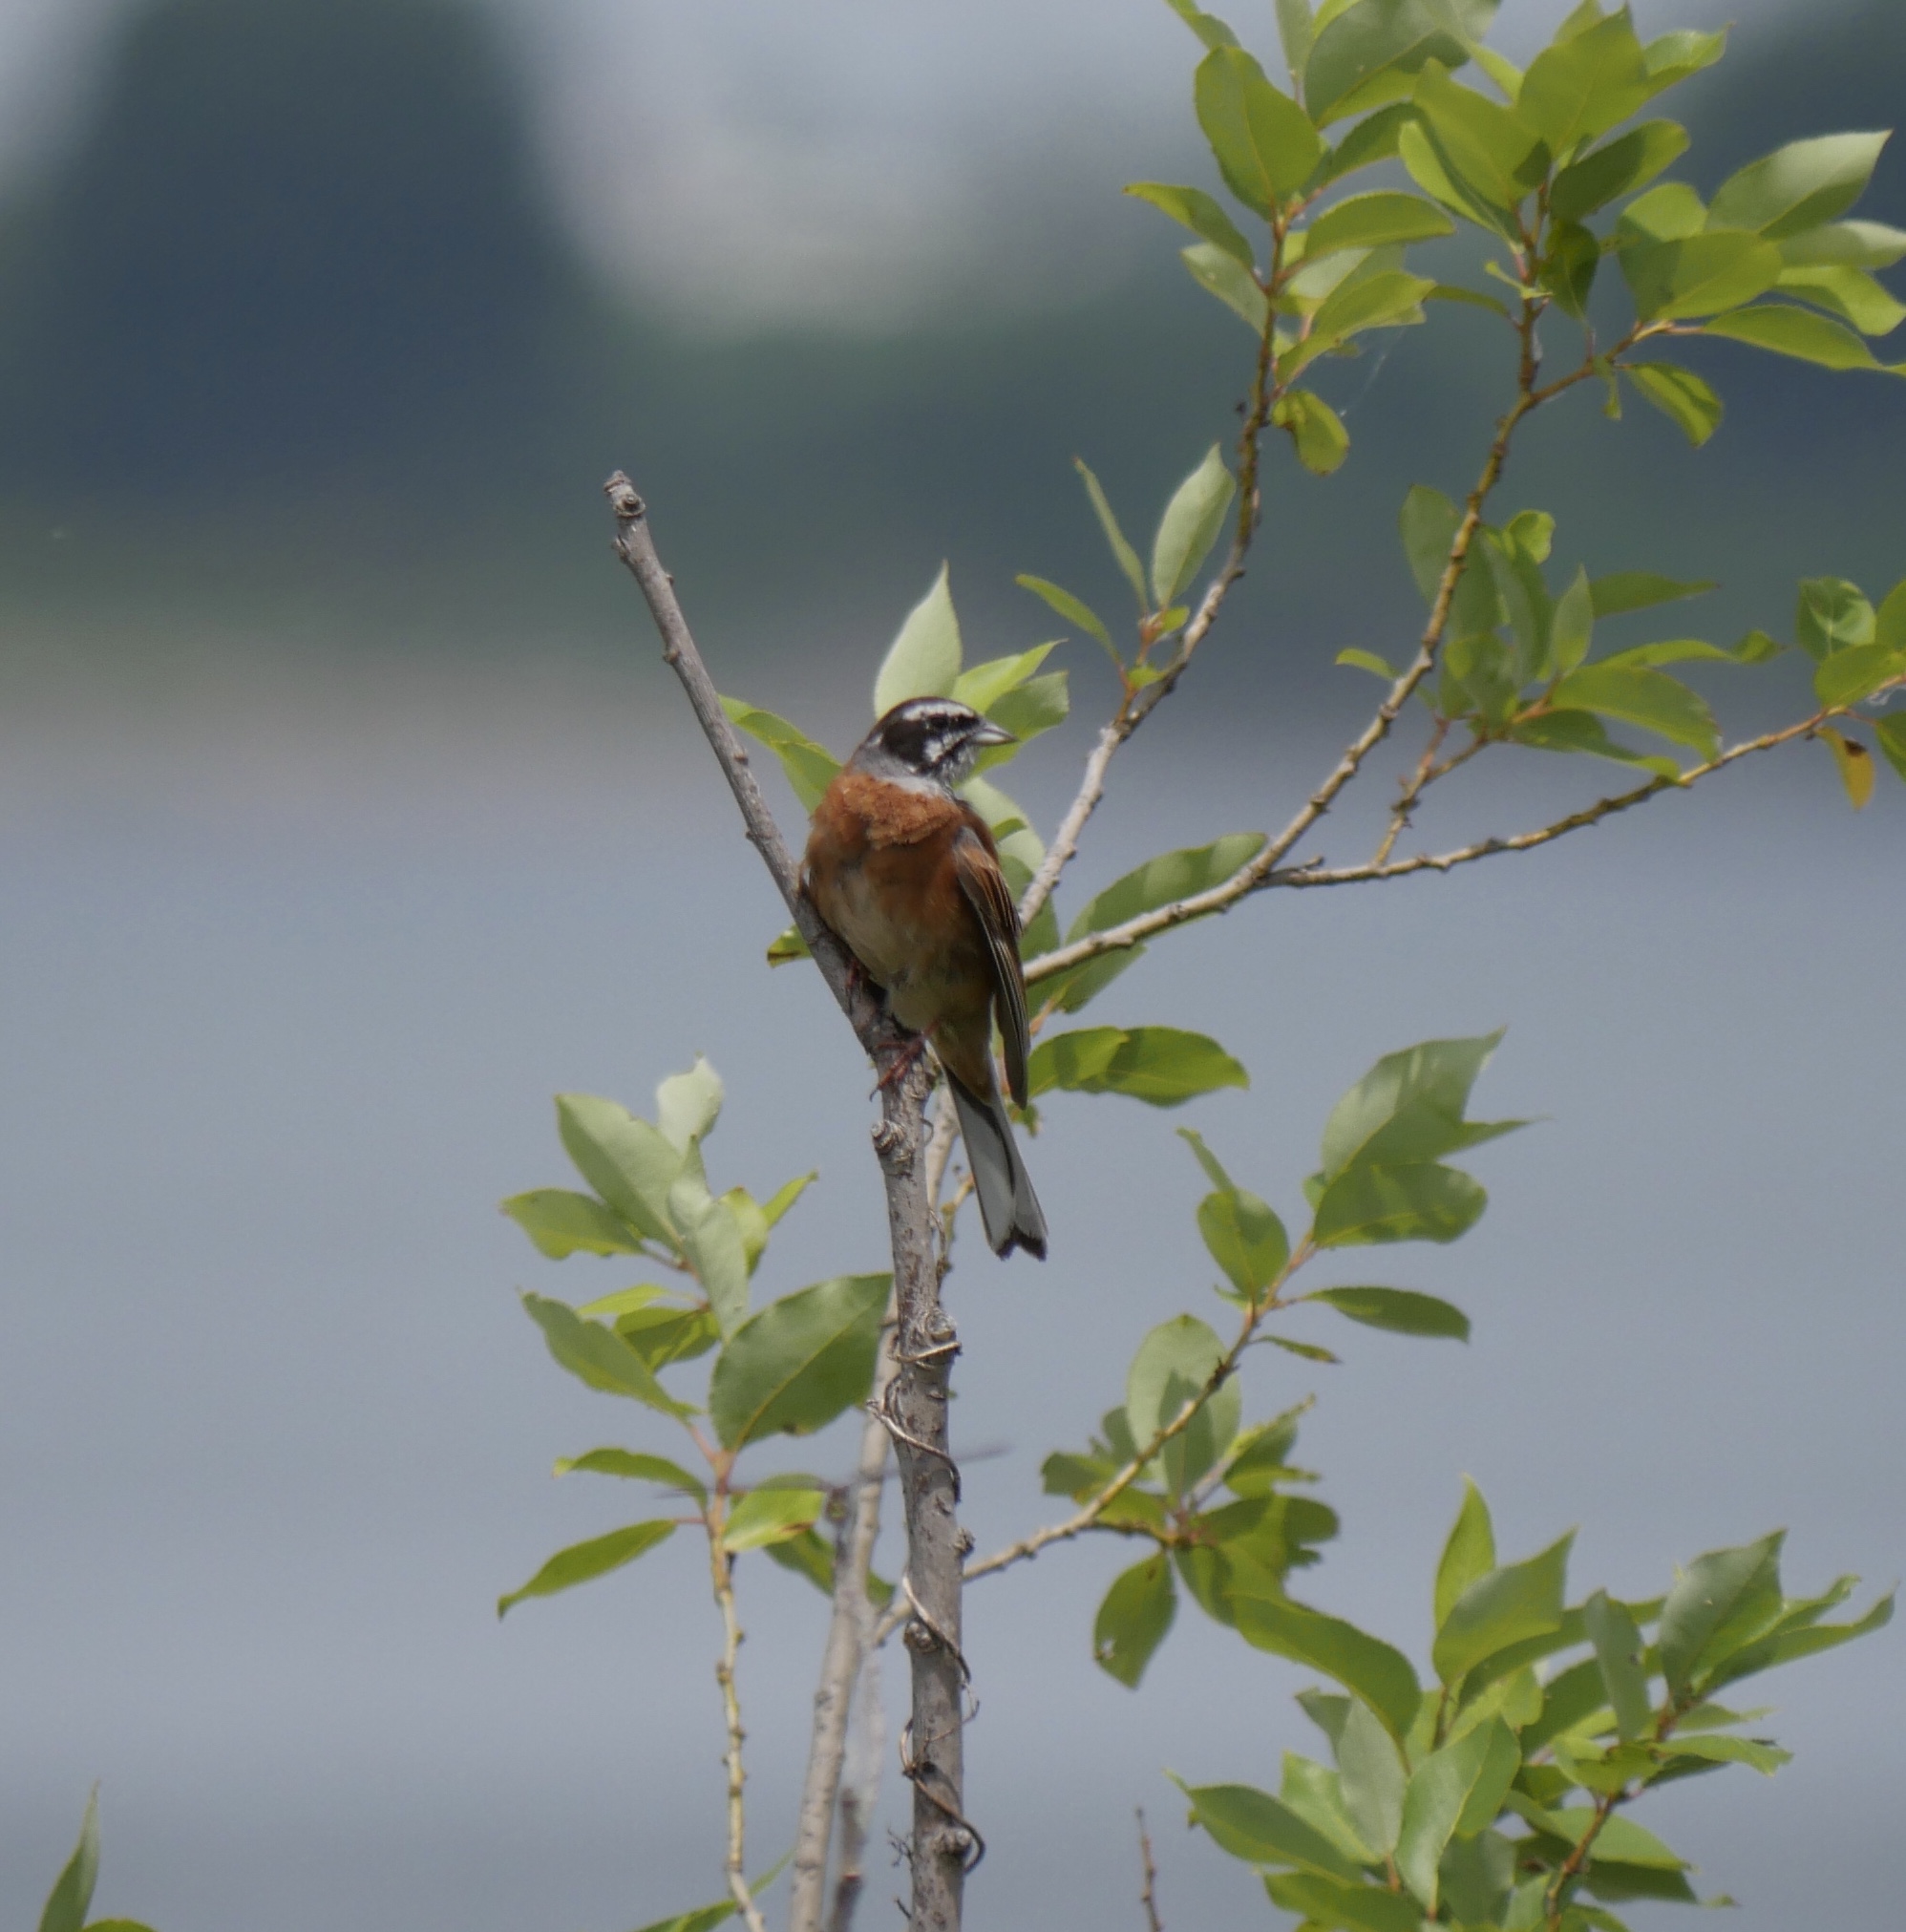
{"x":346,"y":815}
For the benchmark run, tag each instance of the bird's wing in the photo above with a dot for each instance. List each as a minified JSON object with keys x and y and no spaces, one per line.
{"x":987,"y":893}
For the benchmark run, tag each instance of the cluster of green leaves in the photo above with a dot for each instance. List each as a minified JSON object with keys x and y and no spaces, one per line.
{"x":1532,"y":161}
{"x":1161,"y":1459}
{"x":1495,"y":1798}
{"x":72,"y":1896}
{"x":787,"y":1369}
{"x":1515,"y":666}
{"x":1162,"y":1066}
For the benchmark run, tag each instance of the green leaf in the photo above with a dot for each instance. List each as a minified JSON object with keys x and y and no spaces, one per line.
{"x":1675,"y":280}
{"x":787,"y":947}
{"x":1679,"y":394}
{"x":1673,"y":56}
{"x":984,"y":684}
{"x":666,"y":1332}
{"x":1133,"y":1619}
{"x":1619,"y":1656}
{"x":1476,"y":1877}
{"x":627,"y":1161}
{"x":1618,"y":1840}
{"x":810,"y":766}
{"x":1456,"y":1790}
{"x":1725,"y":1587}
{"x":1218,"y":274}
{"x":687,"y":1105}
{"x":1378,"y":1673}
{"x":1409,"y":1107}
{"x":1849,"y":676}
{"x":797,"y":1363}
{"x":1190,"y":525}
{"x":1265,"y":143}
{"x":772,"y":1516}
{"x":1025,"y":711}
{"x":1892,"y":736}
{"x":628,"y":1463}
{"x":704,"y":1919}
{"x":1845,"y":245}
{"x":1469,"y":1555}
{"x":1718,"y":1748}
{"x":1798,"y":186}
{"x":1207,"y":1159}
{"x":562,"y":1222}
{"x":1365,"y":54}
{"x":1316,"y":1794}
{"x":1368,"y":1203}
{"x":1625,"y":590}
{"x":1582,"y":731}
{"x":1649,"y":698}
{"x":1315,"y":429}
{"x":1262,"y":1830}
{"x":1795,"y":333}
{"x":1672,"y":212}
{"x":1161,"y":1066}
{"x":711,"y":1242}
{"x":806,"y":1554}
{"x":1391,"y":299}
{"x":1347,"y":1907}
{"x":1581,"y":87}
{"x":1208,"y":28}
{"x":71,"y":1895}
{"x":1493,"y":150}
{"x":1431,"y":173}
{"x":1373,"y":1771}
{"x":1518,"y":1602}
{"x":1373,"y":138}
{"x":1850,"y":293}
{"x":1174,"y":1365}
{"x":1068,"y":606}
{"x":1123,"y":554}
{"x":1194,"y":209}
{"x":1296,"y":29}
{"x":1572,"y":625}
{"x":1246,"y":1239}
{"x":1370,"y":661}
{"x":1787,"y":1645}
{"x":1372,"y":220}
{"x":1832,"y":615}
{"x":924,"y":658}
{"x":583,"y":1563}
{"x":1403,"y":1311}
{"x":1617,"y":168}
{"x":1569,"y":269}
{"x":597,"y":1355}
{"x":1164,"y":880}
{"x":1429,"y":522}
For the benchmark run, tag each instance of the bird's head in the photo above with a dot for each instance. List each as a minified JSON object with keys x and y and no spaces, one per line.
{"x":936,"y":739}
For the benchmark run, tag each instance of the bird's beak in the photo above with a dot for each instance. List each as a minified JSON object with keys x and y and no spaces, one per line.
{"x":990,"y":734}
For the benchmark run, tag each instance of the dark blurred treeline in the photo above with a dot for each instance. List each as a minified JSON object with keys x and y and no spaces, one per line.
{"x":294,"y":325}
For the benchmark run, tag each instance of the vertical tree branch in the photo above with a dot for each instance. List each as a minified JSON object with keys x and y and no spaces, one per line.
{"x":914,"y":1407}
{"x":1148,"y":1893}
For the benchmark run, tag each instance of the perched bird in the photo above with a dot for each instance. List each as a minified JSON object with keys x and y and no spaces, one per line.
{"x":907,"y":876}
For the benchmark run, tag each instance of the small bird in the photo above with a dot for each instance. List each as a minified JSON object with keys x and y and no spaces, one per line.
{"x":907,"y":877}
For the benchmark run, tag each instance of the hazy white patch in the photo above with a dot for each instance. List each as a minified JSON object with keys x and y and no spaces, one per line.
{"x":49,"y":52}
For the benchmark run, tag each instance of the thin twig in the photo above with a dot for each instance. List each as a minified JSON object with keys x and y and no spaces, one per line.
{"x":1147,"y":1895}
{"x":1544,"y":834}
{"x":722,"y":1572}
{"x":1135,"y":707}
{"x":1089,"y":1514}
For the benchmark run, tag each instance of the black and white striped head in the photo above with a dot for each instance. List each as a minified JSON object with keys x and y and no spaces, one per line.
{"x":935,"y":739}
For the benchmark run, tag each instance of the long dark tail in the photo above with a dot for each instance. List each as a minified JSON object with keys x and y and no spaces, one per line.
{"x":1008,"y":1207}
